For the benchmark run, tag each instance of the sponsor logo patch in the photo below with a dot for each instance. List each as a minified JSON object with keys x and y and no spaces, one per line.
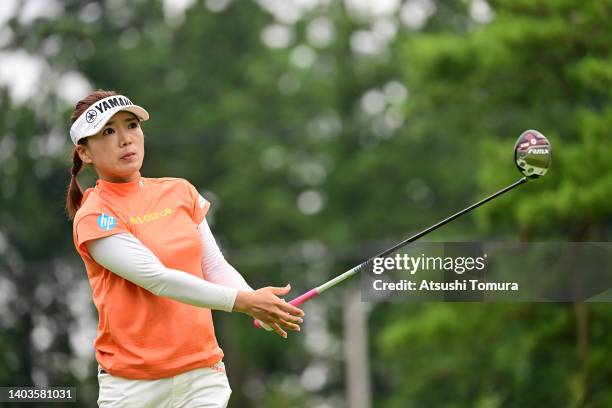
{"x":91,"y":115}
{"x":142,"y":219}
{"x":106,"y":222}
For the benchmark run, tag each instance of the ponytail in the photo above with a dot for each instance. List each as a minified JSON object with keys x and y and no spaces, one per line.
{"x":75,"y":193}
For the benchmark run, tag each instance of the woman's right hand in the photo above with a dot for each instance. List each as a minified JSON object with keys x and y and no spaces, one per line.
{"x":265,"y":305}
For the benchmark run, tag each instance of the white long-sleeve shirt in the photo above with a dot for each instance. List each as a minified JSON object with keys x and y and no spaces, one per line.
{"x":124,"y":255}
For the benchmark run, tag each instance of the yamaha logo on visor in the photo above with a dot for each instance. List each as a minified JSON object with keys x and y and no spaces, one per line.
{"x":95,"y":117}
{"x":91,"y":115}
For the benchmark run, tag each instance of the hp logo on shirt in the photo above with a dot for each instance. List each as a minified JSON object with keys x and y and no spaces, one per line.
{"x":106,"y":222}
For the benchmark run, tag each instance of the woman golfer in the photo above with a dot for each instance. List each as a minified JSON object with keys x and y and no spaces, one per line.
{"x":154,"y":268}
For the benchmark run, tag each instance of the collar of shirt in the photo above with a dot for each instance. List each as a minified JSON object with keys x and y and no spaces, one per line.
{"x":121,"y":189}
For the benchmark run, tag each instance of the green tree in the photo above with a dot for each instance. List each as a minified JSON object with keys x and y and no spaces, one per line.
{"x":542,"y":65}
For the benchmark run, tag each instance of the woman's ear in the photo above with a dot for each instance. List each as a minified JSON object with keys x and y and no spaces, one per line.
{"x":84,"y":154}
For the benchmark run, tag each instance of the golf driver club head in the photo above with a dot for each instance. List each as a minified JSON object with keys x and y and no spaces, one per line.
{"x":532,"y":154}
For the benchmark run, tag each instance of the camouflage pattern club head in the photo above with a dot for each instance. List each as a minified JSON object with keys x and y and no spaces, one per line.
{"x":532,"y":154}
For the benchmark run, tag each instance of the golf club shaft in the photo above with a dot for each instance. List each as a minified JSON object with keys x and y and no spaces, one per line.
{"x":340,"y":278}
{"x":434,"y":227}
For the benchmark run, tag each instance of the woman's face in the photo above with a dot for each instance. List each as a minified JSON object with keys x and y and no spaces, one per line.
{"x":117,"y":150}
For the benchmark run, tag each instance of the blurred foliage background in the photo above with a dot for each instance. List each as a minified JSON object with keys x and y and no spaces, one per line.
{"x":322,"y":131}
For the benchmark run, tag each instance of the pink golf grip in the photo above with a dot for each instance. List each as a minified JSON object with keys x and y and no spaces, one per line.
{"x":295,"y":302}
{"x":304,"y":297}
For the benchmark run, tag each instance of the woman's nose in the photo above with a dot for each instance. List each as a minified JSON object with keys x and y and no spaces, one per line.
{"x":124,"y":139}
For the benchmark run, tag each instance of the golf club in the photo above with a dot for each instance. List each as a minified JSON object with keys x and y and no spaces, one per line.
{"x":532,"y":155}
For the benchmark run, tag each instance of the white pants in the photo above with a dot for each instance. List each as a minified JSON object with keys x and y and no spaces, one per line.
{"x":203,"y":387}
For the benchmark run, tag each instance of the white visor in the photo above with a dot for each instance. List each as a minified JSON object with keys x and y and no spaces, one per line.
{"x":95,"y":117}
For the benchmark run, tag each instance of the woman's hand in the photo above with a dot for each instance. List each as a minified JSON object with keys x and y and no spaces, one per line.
{"x":265,"y":305}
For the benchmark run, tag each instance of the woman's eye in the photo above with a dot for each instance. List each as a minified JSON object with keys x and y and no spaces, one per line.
{"x":133,"y":125}
{"x":108,"y":131}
